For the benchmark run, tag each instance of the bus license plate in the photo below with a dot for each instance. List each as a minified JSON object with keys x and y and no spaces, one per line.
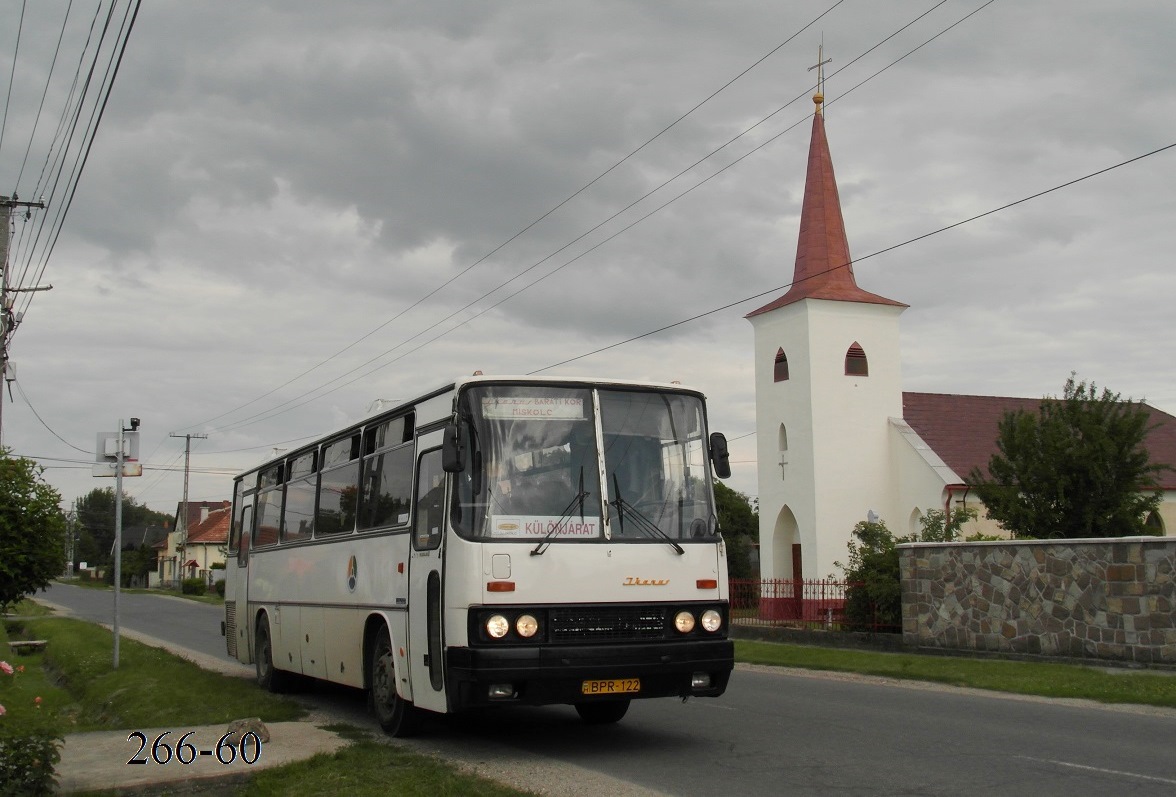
{"x":615,"y":686}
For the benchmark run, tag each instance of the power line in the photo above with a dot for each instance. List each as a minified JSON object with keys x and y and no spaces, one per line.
{"x":37,"y":415}
{"x":45,"y":93}
{"x":12,"y":74}
{"x":518,"y":234}
{"x":325,"y":389}
{"x":91,"y":131}
{"x":907,"y":242}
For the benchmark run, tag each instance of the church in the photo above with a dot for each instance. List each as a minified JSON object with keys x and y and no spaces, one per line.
{"x":839,"y":441}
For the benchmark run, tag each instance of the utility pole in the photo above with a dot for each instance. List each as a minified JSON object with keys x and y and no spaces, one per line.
{"x":182,"y":526}
{"x":9,"y":319}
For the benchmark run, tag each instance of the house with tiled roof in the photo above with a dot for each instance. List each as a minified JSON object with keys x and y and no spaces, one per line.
{"x":196,"y":544}
{"x":838,"y":440}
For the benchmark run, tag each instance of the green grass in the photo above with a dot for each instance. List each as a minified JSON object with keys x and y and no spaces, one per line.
{"x":150,"y":688}
{"x":29,"y":681}
{"x":370,"y":768}
{"x":80,"y":690}
{"x":1019,"y":677}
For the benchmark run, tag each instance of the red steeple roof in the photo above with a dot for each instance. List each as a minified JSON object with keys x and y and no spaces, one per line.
{"x":823,"y":268}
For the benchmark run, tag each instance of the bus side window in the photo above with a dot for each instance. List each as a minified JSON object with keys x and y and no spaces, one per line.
{"x":430,"y":502}
{"x":247,"y":529}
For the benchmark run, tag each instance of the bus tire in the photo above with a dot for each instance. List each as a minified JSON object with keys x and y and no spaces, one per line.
{"x":268,"y":677}
{"x":604,"y":713}
{"x":397,"y":716}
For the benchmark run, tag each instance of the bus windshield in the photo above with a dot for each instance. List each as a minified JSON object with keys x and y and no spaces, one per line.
{"x":539,"y":466}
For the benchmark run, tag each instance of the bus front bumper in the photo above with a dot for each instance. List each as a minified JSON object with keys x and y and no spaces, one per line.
{"x":537,"y":676}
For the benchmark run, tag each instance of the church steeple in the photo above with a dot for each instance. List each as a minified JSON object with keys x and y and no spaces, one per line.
{"x":823,"y":267}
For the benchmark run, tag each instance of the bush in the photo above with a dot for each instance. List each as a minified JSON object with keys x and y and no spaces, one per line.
{"x":193,"y":586}
{"x":220,"y":588}
{"x":873,"y":601}
{"x":27,"y":761}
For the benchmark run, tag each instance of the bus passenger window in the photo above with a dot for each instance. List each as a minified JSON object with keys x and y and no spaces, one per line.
{"x":430,"y":502}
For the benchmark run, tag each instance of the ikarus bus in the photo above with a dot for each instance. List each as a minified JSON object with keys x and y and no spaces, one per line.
{"x":500,"y":541}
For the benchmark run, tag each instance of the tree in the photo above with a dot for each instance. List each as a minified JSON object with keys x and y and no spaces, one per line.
{"x":32,"y":530}
{"x":1077,"y":468}
{"x":96,"y":519}
{"x":740,"y":526}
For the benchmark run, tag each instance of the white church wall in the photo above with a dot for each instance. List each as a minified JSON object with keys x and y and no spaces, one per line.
{"x":920,"y":479}
{"x":851,"y":453}
{"x":790,"y":484}
{"x":838,"y":464}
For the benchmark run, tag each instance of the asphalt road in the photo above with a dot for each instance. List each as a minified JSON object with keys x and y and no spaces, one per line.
{"x":772,"y":733}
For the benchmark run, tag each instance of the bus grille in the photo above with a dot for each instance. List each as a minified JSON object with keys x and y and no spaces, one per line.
{"x":231,"y":627}
{"x":607,"y":623}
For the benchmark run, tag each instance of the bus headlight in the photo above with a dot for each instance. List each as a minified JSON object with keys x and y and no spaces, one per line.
{"x":497,"y":626}
{"x":526,"y":625}
{"x":684,"y":622}
{"x":712,"y":620}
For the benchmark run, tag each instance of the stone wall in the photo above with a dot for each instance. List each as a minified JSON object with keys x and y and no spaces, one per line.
{"x":1097,"y":599}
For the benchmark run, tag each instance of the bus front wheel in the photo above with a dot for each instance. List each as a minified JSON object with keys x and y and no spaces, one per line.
{"x":268,"y":677}
{"x":397,"y":716}
{"x":602,"y":713}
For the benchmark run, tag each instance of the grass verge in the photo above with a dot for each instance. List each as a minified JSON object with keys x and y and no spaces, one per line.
{"x":1018,"y":677}
{"x":79,"y":686}
{"x":366,"y":768}
{"x":72,"y":686}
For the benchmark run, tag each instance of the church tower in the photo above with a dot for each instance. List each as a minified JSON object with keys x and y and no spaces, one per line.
{"x":826,"y":384}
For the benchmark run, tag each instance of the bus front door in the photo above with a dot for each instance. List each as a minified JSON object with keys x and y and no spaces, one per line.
{"x":427,"y":657}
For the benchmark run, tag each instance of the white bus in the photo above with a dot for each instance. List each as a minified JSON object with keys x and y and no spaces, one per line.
{"x":502,"y":540}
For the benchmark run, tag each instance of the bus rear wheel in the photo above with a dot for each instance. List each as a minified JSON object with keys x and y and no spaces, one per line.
{"x":268,"y":677}
{"x":602,"y":713}
{"x":397,"y":716}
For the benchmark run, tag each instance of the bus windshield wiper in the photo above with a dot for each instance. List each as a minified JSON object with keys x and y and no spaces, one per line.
{"x":564,"y":517}
{"x":643,"y":524}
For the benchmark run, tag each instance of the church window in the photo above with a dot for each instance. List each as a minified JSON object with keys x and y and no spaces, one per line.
{"x":856,"y":363}
{"x":780,"y":372}
{"x":782,"y":441}
{"x":1155,"y":523}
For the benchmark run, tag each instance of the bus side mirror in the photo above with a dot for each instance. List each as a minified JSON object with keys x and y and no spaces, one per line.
{"x":452,"y":449}
{"x":719,"y":455}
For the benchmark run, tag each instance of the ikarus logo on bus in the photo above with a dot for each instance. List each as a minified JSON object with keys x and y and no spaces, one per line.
{"x":635,"y":581}
{"x":352,"y":573}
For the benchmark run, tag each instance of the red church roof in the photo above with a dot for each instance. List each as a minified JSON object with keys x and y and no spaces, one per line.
{"x":962,"y":430}
{"x":824,"y":269}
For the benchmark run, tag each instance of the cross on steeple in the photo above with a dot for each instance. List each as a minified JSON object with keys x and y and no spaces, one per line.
{"x":819,"y":97}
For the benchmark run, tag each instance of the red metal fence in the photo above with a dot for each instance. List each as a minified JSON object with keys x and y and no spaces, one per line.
{"x":811,"y":604}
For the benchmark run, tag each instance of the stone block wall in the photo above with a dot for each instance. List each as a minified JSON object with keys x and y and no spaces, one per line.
{"x":1112,"y":599}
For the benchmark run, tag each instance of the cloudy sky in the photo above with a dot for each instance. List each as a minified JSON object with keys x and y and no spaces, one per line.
{"x":291,"y":209}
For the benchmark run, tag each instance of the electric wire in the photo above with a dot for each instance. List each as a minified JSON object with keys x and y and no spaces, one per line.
{"x":44,"y":95}
{"x":90,"y":135}
{"x":54,"y":156}
{"x":37,"y":415}
{"x":737,"y":302}
{"x":325,"y":389}
{"x":12,"y":74}
{"x":875,"y":253}
{"x":529,"y":226}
